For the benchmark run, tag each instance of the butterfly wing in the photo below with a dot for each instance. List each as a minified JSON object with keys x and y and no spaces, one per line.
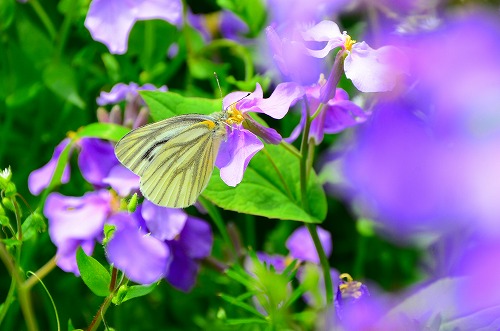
{"x":174,"y":157}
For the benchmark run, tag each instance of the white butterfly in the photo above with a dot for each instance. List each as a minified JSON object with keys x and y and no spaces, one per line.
{"x":175,"y":157}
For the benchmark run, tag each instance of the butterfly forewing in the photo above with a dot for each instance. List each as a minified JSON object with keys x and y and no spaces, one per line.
{"x":174,"y":157}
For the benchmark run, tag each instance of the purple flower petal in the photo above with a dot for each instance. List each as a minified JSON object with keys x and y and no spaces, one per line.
{"x":277,"y":105}
{"x":182,"y":271}
{"x":269,"y":135}
{"x":196,"y":238}
{"x":121,"y":92}
{"x":246,"y":100}
{"x":96,"y":160}
{"x":343,"y":114}
{"x":163,"y":223}
{"x":143,"y":258}
{"x":122,"y":180}
{"x":66,"y":254}
{"x":39,"y":179}
{"x":277,"y":261}
{"x":235,"y":154}
{"x":110,"y":21}
{"x":301,"y":245}
{"x":77,"y":217}
{"x":324,"y":31}
{"x":374,"y":70}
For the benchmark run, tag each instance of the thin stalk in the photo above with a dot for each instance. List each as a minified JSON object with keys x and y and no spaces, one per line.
{"x":44,"y":18}
{"x":40,"y":273}
{"x":324,"y":263}
{"x":23,"y":294}
{"x":291,"y":149}
{"x":99,"y":316}
{"x":305,"y":163}
{"x":8,"y":300}
{"x":287,"y":189}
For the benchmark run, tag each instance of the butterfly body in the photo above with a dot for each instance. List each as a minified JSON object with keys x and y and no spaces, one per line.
{"x":174,"y":157}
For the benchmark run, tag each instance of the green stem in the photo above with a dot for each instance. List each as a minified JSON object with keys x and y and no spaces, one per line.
{"x":8,"y":300}
{"x":324,"y":262}
{"x":23,"y":294}
{"x":305,"y":164}
{"x":62,"y":36}
{"x":44,"y":18}
{"x":291,"y":149}
{"x":40,"y":273}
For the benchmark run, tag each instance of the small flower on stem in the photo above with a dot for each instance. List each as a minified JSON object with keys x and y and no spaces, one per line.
{"x":370,"y":70}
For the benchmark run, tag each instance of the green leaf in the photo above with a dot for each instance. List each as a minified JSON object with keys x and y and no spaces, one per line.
{"x":7,"y":10}
{"x":93,"y":274}
{"x":107,"y":131}
{"x":262,"y":192}
{"x":168,"y":104}
{"x":60,"y":79}
{"x":139,"y":291}
{"x":34,"y":223}
{"x":252,"y":12}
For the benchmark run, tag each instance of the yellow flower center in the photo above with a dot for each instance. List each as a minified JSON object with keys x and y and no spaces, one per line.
{"x":234,"y":115}
{"x":348,"y":42}
{"x":350,"y":287}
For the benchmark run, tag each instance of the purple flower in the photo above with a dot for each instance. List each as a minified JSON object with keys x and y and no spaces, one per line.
{"x":39,"y":179}
{"x":143,"y":258}
{"x":75,"y":222}
{"x":287,"y":52}
{"x":425,"y":161}
{"x":242,"y":142}
{"x":338,"y":114}
{"x":229,"y":25}
{"x":121,"y":92}
{"x":98,"y":165}
{"x":110,"y":21}
{"x":301,"y":245}
{"x":287,"y":12}
{"x":157,"y":242}
{"x":371,"y":70}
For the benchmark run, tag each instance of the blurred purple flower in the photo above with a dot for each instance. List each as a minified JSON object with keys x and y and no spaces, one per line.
{"x":110,"y":21}
{"x":75,"y":222}
{"x":339,"y":113}
{"x":301,"y":245}
{"x":287,"y":52}
{"x":177,"y":243}
{"x":39,"y":179}
{"x":98,"y":165}
{"x":242,"y":142}
{"x":225,"y":23}
{"x":425,"y":161}
{"x":286,"y":12}
{"x":123,"y":92}
{"x":370,"y":70}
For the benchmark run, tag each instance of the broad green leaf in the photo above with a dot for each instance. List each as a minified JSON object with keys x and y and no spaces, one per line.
{"x":138,"y":291}
{"x":60,"y":79}
{"x":107,"y":131}
{"x":7,"y":10}
{"x":262,"y":192}
{"x":168,"y":104}
{"x":93,"y":274}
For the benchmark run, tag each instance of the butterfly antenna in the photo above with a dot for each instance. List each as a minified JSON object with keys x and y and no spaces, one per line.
{"x":238,"y":101}
{"x":218,"y":84}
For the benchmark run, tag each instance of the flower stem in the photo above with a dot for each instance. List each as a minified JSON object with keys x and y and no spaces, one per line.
{"x":23,"y":294}
{"x":40,"y":273}
{"x":44,"y":18}
{"x":305,"y":164}
{"x":324,"y":262}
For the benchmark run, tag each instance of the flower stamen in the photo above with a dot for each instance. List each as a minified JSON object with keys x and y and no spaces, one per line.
{"x":234,"y":115}
{"x":348,"y":42}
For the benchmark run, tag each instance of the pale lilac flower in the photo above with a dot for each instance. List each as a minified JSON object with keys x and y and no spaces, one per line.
{"x":74,"y":222}
{"x":287,"y":52}
{"x":301,"y":245}
{"x":110,"y":21}
{"x":242,"y":142}
{"x":338,"y":114}
{"x":39,"y":179}
{"x":125,"y":92}
{"x":158,"y":242}
{"x":370,"y":70}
